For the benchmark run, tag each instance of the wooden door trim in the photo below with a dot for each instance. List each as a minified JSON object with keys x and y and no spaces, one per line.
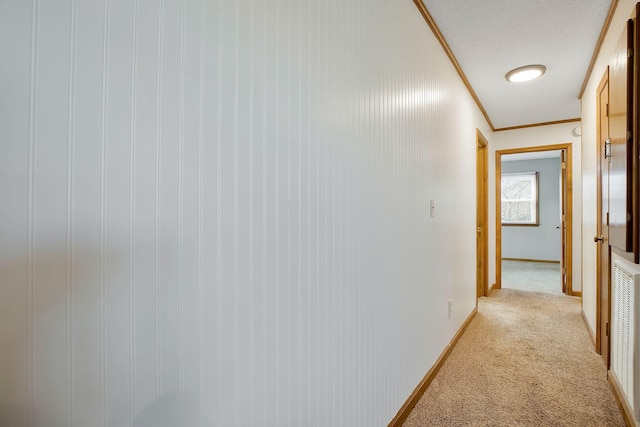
{"x":498,"y":284}
{"x":598,"y":333}
{"x":569,"y":213}
{"x":482,"y":208}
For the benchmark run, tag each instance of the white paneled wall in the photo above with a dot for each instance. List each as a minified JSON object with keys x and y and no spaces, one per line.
{"x":589,"y":156}
{"x":216,"y":213}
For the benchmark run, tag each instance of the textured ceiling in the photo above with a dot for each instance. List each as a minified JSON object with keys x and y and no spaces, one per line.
{"x":490,"y":37}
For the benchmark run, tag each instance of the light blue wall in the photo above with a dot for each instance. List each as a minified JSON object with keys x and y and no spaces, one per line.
{"x":544,"y":241}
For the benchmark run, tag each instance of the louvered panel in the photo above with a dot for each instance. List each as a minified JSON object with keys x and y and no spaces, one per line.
{"x":624,"y":341}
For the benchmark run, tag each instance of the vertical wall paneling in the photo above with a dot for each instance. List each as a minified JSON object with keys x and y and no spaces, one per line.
{"x":103,"y":186}
{"x":156,"y":215}
{"x":217,"y":342}
{"x":50,"y":168}
{"x":200,"y":200}
{"x":71,"y":116}
{"x":132,"y":207}
{"x":17,"y":39}
{"x":86,"y":182}
{"x":144,"y":165}
{"x":216,"y":212}
{"x":33,"y":97}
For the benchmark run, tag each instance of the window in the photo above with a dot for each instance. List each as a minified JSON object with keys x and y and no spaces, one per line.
{"x":519,"y":199}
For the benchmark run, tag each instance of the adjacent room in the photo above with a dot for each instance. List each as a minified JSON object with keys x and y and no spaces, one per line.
{"x":531,"y":221}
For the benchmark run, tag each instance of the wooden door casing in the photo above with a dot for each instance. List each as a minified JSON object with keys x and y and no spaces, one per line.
{"x":603,"y":252}
{"x":482,"y":216}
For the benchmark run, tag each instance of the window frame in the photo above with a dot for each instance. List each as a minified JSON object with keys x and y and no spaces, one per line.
{"x":530,"y":176}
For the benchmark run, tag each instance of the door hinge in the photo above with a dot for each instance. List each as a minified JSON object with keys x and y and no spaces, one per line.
{"x":629,"y":53}
{"x":564,"y":165}
{"x":607,"y":110}
{"x":607,"y":218}
{"x":607,"y":329}
{"x":564,"y":218}
{"x":628,"y":135}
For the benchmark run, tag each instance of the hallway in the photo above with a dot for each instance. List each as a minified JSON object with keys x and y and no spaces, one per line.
{"x":241,"y":213}
{"x":532,"y":363}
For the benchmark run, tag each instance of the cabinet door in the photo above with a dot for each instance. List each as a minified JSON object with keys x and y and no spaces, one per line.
{"x":620,"y":120}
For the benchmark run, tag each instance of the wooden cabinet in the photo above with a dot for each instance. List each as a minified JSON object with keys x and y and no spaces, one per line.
{"x":624,"y":197}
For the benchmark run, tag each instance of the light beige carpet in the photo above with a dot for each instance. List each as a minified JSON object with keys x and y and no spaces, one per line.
{"x":526,"y":359}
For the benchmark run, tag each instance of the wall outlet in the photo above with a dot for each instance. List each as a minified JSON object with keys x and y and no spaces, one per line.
{"x":450,"y":307}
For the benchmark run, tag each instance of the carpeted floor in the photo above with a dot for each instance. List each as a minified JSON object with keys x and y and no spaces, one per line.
{"x":526,"y":359}
{"x":531,"y":276}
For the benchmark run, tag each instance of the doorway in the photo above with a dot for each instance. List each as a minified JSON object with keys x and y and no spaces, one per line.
{"x":603,"y":250}
{"x":565,"y":221}
{"x":482,"y":216}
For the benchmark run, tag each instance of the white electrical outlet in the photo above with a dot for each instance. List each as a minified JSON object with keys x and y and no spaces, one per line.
{"x":450,"y":307}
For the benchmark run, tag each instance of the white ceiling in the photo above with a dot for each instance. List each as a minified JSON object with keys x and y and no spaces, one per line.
{"x":490,"y":37}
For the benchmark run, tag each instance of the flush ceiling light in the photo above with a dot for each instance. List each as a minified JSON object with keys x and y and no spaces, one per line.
{"x":526,"y":73}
